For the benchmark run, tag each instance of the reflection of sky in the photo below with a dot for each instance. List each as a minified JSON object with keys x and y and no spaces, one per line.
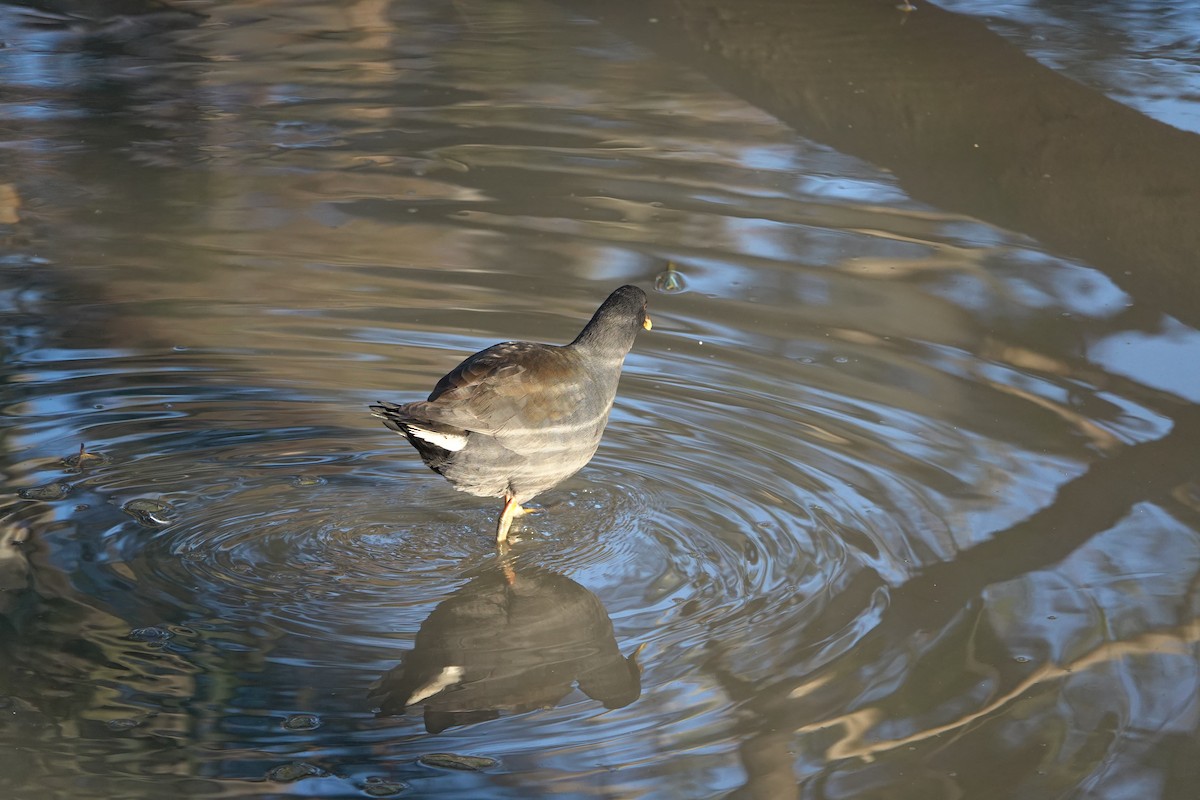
{"x":32,"y":56}
{"x":768,"y":157}
{"x":1141,"y":53}
{"x":1168,"y":359}
{"x":1044,"y":282}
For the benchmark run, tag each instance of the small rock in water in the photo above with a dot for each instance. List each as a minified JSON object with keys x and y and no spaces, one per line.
{"x":302,"y":722}
{"x":150,"y":634}
{"x":455,"y":761}
{"x":151,"y":513}
{"x":297,"y":770}
{"x":50,"y":491}
{"x":382,"y":787}
{"x":122,"y":724}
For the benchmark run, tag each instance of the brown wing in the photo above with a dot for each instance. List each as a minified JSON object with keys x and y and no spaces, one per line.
{"x":509,"y":389}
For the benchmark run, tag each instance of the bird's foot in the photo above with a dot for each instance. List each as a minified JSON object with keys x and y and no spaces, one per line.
{"x":512,"y":509}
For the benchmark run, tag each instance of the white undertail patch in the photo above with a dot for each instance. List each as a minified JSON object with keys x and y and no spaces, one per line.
{"x":447,"y":441}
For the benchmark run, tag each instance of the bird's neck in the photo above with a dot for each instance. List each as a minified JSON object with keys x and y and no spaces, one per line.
{"x":598,"y":337}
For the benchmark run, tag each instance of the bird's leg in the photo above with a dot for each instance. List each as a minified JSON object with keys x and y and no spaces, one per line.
{"x":506,"y":516}
{"x":512,"y":509}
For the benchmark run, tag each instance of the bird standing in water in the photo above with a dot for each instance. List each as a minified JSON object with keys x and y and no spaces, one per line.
{"x":518,"y":418}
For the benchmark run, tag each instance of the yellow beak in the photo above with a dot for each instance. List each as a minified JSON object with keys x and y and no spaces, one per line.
{"x":647,"y":324}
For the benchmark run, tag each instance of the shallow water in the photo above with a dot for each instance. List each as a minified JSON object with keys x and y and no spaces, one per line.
{"x":893,"y":503}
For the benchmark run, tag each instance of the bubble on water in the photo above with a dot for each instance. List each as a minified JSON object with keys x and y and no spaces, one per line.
{"x":151,"y":633}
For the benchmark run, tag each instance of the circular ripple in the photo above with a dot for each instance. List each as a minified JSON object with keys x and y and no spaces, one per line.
{"x":689,"y":530}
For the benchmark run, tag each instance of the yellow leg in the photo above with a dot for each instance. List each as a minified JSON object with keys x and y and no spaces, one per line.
{"x":506,"y":516}
{"x":511,"y":510}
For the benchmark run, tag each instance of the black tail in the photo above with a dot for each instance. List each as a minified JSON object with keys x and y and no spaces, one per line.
{"x":393,"y":416}
{"x":427,"y":436}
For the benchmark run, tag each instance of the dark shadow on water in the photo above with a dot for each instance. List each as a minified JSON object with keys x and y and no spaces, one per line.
{"x":513,"y":639}
{"x":964,"y":119}
{"x":111,"y":27}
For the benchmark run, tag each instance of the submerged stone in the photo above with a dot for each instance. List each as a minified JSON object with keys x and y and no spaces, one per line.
{"x":382,"y":787}
{"x":302,"y":722}
{"x":151,"y":513}
{"x":456,"y":761}
{"x":49,"y":491}
{"x":295,"y":771}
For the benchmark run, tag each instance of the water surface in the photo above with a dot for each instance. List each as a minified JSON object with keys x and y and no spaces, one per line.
{"x":895,"y":502}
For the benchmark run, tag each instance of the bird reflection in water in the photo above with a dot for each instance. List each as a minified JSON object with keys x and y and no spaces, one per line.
{"x":513,"y":639}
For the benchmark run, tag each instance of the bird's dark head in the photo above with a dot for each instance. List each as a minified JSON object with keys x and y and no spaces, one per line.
{"x":618,"y":320}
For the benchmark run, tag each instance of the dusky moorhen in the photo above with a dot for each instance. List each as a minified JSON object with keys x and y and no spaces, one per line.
{"x":519,"y":418}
